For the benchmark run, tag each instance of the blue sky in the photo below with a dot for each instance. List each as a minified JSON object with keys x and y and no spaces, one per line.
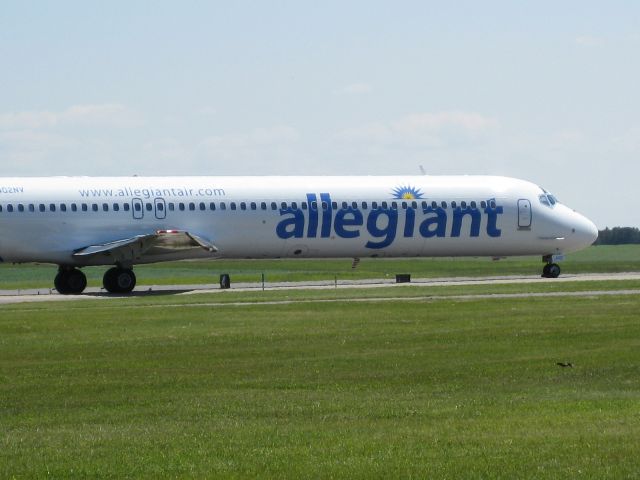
{"x":546,"y":91}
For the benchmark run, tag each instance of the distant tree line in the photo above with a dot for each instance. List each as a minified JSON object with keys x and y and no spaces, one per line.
{"x":618,"y":236}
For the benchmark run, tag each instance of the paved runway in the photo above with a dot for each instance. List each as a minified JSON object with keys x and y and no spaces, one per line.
{"x":24,"y":296}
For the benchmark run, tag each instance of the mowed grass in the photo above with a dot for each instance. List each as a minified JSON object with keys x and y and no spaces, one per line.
{"x":598,"y":259}
{"x":396,"y":389}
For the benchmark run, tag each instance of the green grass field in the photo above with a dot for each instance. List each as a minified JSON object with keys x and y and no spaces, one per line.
{"x":624,"y":258}
{"x":185,"y":386}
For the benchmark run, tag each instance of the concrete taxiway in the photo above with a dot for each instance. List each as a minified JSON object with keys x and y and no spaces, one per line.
{"x":39,"y":295}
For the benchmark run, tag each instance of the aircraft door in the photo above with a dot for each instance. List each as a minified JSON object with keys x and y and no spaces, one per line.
{"x":137,"y":207}
{"x":160,"y":208}
{"x":524,"y":214}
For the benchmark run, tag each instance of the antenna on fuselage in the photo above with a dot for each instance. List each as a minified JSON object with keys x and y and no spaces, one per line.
{"x":422,"y":171}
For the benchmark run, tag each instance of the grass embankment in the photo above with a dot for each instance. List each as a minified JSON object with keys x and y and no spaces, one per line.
{"x":598,"y":259}
{"x":439,"y":389}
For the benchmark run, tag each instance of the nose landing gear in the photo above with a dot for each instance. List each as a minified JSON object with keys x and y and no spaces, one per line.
{"x":550,"y":270}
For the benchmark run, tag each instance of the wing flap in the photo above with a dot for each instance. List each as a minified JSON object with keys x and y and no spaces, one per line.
{"x":162,"y":241}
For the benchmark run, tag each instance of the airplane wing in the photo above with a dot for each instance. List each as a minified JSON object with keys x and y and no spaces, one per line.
{"x":158,"y":243}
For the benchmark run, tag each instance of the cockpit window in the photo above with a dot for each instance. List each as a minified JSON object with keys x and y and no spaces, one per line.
{"x":547,"y":199}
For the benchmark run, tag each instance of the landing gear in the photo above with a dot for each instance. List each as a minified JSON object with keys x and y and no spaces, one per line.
{"x":551,"y":270}
{"x":119,"y":280}
{"x":70,"y":281}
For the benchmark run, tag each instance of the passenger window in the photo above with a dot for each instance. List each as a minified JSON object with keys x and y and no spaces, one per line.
{"x":192,"y":206}
{"x":473,"y":204}
{"x":105,"y":207}
{"x":74,"y":207}
{"x":483,"y":204}
{"x":374,"y":205}
{"x":212,"y":206}
{"x":10,"y":208}
{"x":63,"y":207}
{"x":283,"y":205}
{"x":263,"y":205}
{"x":52,"y":207}
{"x":414,"y":205}
{"x":394,"y":205}
{"x":294,"y":205}
{"x":94,"y":207}
{"x":85,"y":207}
{"x":149,"y":207}
{"x":137,"y":207}
{"x":116,"y":207}
{"x":334,"y":205}
{"x":454,"y":204}
{"x":172,"y":206}
{"x":20,"y":207}
{"x":384,"y":205}
{"x":325,"y":205}
{"x":314,"y":205}
{"x":180,"y":206}
{"x":126,"y":207}
{"x":443,"y":204}
{"x":354,"y":205}
{"x":202,"y":206}
{"x":463,"y":204}
{"x":42,"y":207}
{"x":254,"y":206}
{"x":404,"y":205}
{"x":223,"y":206}
{"x":274,"y":206}
{"x":32,"y":207}
{"x":364,"y":205}
{"x":493,"y":204}
{"x":233,"y":205}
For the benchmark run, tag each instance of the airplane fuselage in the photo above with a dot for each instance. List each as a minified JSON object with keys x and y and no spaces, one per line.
{"x":73,"y":221}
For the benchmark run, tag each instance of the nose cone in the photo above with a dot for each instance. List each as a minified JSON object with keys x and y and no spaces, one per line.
{"x":585,"y":232}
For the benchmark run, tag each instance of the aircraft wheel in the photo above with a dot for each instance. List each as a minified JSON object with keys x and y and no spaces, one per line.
{"x":60,"y":283}
{"x":119,"y":280}
{"x":554,"y":270}
{"x":545,"y":270}
{"x":76,"y":281}
{"x":68,"y":282}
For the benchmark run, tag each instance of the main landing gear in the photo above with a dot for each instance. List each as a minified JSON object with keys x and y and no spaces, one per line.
{"x":119,"y":280}
{"x":71,"y":281}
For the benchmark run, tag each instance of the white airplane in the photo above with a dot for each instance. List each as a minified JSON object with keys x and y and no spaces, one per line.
{"x":123,"y":221}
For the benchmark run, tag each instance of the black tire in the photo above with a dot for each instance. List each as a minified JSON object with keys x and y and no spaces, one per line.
{"x":61,"y":283}
{"x":76,"y":281}
{"x":70,"y":282}
{"x":119,"y":280}
{"x":109,"y":280}
{"x":554,"y":270}
{"x":545,"y":271}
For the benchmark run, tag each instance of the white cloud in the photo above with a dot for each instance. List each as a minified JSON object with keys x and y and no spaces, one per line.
{"x":277,"y":135}
{"x":98,"y":115}
{"x":355,"y":89}
{"x":589,"y":41}
{"x":628,"y":141}
{"x":425,"y":130}
{"x":259,"y":151}
{"x":166,"y":149}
